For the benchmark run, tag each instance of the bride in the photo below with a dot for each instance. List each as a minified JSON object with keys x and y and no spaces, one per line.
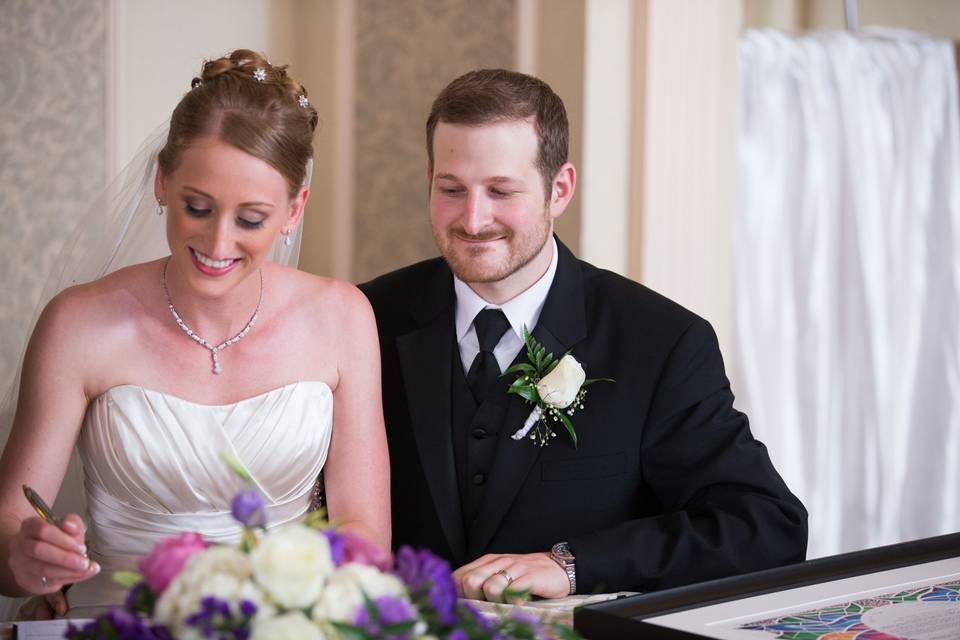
{"x":157,"y":369}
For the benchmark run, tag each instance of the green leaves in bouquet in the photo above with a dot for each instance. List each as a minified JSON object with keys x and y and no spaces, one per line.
{"x":516,"y":596}
{"x":141,"y":599}
{"x":248,"y":540}
{"x":127,"y":579}
{"x":236,"y":466}
{"x":317,"y":519}
{"x":563,"y":632}
{"x":395,"y":630}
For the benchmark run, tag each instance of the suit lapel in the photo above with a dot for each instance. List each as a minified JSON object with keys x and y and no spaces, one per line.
{"x":425,"y":359}
{"x":562,"y":324}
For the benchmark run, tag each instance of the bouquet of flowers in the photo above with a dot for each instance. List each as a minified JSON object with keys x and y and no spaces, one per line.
{"x":304,"y":581}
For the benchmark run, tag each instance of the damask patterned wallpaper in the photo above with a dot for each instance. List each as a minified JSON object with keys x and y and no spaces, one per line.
{"x":52,"y":105}
{"x":406,"y":53}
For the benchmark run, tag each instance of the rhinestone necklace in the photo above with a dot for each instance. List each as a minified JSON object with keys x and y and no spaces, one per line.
{"x":214,"y":351}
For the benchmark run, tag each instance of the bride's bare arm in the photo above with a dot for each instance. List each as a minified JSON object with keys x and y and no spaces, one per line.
{"x":36,"y":557}
{"x":357,"y":471}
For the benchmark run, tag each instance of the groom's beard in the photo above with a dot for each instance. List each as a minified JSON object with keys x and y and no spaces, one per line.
{"x":485,"y":264}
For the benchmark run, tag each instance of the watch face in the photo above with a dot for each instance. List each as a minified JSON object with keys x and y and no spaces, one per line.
{"x":562,"y":551}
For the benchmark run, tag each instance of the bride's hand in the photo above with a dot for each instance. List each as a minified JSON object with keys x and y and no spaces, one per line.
{"x":44,"y":557}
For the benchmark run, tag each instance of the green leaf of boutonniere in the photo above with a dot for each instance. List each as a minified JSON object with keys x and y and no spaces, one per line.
{"x":569,"y":426}
{"x":521,"y":367}
{"x":556,"y":388}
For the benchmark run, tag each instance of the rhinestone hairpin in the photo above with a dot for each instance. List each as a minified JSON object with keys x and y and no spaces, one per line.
{"x":302,"y":101}
{"x":259,"y":75}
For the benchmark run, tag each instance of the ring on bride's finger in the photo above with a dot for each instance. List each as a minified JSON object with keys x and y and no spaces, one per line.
{"x":44,"y":581}
{"x":507,"y":576}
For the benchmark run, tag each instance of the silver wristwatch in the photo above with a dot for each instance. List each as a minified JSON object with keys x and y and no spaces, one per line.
{"x":561,"y":554}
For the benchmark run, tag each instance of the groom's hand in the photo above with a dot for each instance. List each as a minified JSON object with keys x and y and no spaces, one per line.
{"x":488,"y":577}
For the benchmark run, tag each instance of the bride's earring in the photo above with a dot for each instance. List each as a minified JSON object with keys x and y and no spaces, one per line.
{"x":159,"y":207}
{"x":286,"y":238}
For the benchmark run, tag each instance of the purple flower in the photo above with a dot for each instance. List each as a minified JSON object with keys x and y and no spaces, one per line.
{"x":215,"y":615}
{"x":389,"y":611}
{"x":529,"y":621}
{"x":247,"y":508}
{"x":425,"y":574}
{"x":117,"y":623}
{"x":468,"y":610}
{"x":247,"y":608}
{"x":336,"y":546}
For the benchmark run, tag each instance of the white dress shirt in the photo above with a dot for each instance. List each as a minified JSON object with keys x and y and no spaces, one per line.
{"x":524,"y":309}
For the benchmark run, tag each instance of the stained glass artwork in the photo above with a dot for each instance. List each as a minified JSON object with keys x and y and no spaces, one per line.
{"x":846,"y":621}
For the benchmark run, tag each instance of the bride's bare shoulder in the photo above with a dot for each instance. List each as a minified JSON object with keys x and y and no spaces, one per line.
{"x":321,"y":297}
{"x":117,"y":298}
{"x":83,"y":326}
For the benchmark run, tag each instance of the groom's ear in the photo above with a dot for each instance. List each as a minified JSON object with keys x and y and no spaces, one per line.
{"x":561,"y":190}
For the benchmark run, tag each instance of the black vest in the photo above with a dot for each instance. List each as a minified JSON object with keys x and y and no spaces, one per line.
{"x":476,"y":431}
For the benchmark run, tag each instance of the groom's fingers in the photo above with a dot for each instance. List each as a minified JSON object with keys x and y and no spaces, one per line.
{"x":470,"y":578}
{"x":502,"y":582}
{"x":534,"y":573}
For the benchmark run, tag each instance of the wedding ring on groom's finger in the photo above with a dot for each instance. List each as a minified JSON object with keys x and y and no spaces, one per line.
{"x":507,"y":576}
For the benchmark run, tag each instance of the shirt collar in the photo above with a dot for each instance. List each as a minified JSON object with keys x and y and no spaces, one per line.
{"x":521,"y":310}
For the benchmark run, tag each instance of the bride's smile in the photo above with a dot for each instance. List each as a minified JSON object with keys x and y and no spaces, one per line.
{"x":226,"y":208}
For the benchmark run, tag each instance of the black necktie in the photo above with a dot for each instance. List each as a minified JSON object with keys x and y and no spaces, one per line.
{"x":490,"y":324}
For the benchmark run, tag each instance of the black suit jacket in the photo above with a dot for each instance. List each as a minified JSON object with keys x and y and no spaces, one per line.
{"x":667,"y":486}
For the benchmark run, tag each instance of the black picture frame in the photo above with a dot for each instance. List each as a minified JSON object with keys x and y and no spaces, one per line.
{"x":625,"y":618}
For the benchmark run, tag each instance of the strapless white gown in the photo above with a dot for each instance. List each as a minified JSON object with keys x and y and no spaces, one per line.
{"x":153,"y":468}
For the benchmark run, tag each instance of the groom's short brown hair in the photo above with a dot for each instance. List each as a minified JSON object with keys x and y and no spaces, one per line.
{"x":486,"y":96}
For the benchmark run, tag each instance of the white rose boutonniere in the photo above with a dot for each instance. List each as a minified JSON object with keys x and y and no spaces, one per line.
{"x":556,"y":388}
{"x":559,"y":388}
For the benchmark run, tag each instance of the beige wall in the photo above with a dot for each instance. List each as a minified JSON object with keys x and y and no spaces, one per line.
{"x":559,"y":61}
{"x":936,"y":17}
{"x":378,"y":70}
{"x":159,"y":47}
{"x":405,"y":53}
{"x":683,"y":174}
{"x":52,"y":123}
{"x":323,"y":62}
{"x":939,"y":18}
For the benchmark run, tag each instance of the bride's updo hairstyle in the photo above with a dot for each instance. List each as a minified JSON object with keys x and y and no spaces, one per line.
{"x":252,"y":105}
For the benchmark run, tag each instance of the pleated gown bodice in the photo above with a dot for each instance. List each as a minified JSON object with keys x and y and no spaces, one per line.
{"x":153,"y":467}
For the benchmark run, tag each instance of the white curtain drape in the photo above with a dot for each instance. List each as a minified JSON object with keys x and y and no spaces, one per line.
{"x":847,"y":283}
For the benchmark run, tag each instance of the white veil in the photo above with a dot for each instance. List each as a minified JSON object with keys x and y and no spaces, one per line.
{"x":120,"y":228}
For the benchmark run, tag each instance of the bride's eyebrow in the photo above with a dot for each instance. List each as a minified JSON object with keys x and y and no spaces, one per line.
{"x":254,"y":203}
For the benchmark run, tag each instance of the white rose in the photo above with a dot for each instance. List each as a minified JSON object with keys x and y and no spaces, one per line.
{"x":223,"y":572}
{"x":292,"y":564}
{"x":559,"y":388}
{"x":343,"y":596}
{"x":292,"y":625}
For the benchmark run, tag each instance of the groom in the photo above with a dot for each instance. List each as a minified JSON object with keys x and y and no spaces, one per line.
{"x":665,"y":485}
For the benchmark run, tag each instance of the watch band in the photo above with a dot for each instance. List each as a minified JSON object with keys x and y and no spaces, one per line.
{"x":561,"y":554}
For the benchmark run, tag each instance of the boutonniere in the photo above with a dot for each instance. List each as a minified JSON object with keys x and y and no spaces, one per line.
{"x":556,"y":388}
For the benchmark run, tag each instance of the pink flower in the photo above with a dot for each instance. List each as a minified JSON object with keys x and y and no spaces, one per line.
{"x":167,"y":559}
{"x":361,"y":550}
